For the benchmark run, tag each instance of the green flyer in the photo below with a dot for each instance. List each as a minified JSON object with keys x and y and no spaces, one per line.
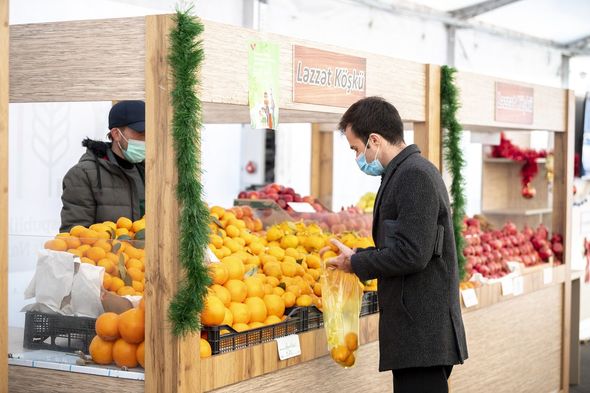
{"x":263,"y":84}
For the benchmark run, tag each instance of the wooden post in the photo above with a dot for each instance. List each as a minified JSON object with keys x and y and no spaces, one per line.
{"x":562,"y":214}
{"x":3,"y":196}
{"x":427,"y":135}
{"x":172,"y":364}
{"x":322,"y":163}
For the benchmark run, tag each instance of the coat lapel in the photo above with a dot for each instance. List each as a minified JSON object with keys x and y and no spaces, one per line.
{"x":391,"y":168}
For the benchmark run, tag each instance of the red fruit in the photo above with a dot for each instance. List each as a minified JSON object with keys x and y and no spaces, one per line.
{"x":527,"y":232}
{"x":557,"y":238}
{"x":545,"y":253}
{"x":542,"y":232}
{"x":288,"y":198}
{"x":510,"y":228}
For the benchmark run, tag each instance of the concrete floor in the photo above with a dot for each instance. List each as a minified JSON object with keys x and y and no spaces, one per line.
{"x":584,"y":386}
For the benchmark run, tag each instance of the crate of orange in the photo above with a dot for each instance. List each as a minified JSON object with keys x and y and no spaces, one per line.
{"x":57,"y":332}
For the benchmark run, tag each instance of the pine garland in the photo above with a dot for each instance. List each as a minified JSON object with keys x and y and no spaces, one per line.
{"x":185,"y":57}
{"x":454,"y":156}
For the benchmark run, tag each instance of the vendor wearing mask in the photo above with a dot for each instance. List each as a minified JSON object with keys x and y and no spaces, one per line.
{"x":109,"y":180}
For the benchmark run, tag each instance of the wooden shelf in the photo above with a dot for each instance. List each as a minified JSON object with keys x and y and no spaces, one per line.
{"x":493,"y":160}
{"x":517,"y":212}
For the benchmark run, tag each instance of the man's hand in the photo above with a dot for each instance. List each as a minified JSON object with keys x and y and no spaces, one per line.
{"x":342,"y":261}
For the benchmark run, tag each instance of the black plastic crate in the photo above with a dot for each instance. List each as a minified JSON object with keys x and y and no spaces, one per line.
{"x":237,"y":340}
{"x":369,"y":304}
{"x":58,"y":332}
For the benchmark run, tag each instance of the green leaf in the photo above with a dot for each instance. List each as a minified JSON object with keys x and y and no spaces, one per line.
{"x":299,"y":261}
{"x":112,"y":233}
{"x":123,"y":271}
{"x":216,"y":221}
{"x":252,"y":272}
{"x":140,"y":235}
{"x":116,"y":247}
{"x":124,"y":238}
{"x":283,"y":286}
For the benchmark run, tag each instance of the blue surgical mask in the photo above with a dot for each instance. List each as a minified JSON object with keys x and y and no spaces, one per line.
{"x":135,"y":150}
{"x":373,"y":168}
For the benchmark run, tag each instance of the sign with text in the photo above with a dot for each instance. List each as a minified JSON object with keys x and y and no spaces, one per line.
{"x":288,"y":346}
{"x":514,"y":103}
{"x":328,"y":78}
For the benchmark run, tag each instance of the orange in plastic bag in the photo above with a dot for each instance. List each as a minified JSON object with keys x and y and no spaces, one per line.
{"x":341,"y":299}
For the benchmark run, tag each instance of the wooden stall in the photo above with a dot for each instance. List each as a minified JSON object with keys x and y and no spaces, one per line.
{"x":521,"y":343}
{"x":3,"y":193}
{"x":39,"y":74}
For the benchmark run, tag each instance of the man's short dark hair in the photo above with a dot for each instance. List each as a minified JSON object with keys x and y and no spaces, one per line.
{"x":373,"y":115}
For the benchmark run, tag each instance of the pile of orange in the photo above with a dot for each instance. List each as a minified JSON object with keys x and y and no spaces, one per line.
{"x":109,"y":245}
{"x":343,"y":354}
{"x":120,"y":338}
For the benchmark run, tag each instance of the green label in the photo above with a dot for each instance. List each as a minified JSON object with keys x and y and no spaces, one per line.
{"x":263,"y":85}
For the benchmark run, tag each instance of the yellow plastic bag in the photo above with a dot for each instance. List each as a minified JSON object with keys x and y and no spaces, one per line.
{"x":341,"y":300}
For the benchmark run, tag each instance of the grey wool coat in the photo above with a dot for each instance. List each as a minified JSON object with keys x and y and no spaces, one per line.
{"x":415,"y":262}
{"x":98,"y":189}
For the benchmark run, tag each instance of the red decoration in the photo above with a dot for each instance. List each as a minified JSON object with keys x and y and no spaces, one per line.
{"x":577,"y":165}
{"x":530,"y":168}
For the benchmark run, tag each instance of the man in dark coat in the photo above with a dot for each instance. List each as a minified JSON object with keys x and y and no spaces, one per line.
{"x":421,"y":334}
{"x":109,"y":180}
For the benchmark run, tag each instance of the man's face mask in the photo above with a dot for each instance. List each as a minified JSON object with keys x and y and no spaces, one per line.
{"x":373,"y":168}
{"x":135,"y":150}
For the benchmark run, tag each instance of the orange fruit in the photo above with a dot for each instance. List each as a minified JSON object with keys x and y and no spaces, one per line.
{"x":240,"y":327}
{"x":349,"y":362}
{"x":274,"y":305}
{"x":205,"y":349}
{"x":219,"y":273}
{"x":256,"y":247}
{"x":229,"y":317}
{"x":87,"y":260}
{"x":278,"y":291}
{"x":116,"y":283}
{"x":121,"y":232}
{"x":256,"y":325}
{"x":294,"y":289}
{"x":88,"y":236}
{"x":106,"y":280}
{"x":214,"y":311}
{"x":222,"y":293}
{"x":289,"y":241}
{"x":73,"y":242}
{"x":83,"y":248}
{"x":340,"y":353}
{"x":352,"y":341}
{"x":313,"y":261}
{"x":255,"y":288}
{"x":272,"y":319}
{"x":240,"y":312}
{"x":132,"y":325}
{"x":126,"y":291}
{"x":274,"y":233}
{"x":110,"y":224}
{"x":140,"y":354}
{"x":101,"y":350}
{"x":56,"y":245}
{"x":317,"y":289}
{"x":107,"y":326}
{"x":135,"y":263}
{"x":125,"y":354}
{"x":108,"y":265}
{"x":276,"y":252}
{"x":232,"y":231}
{"x":137,"y":286}
{"x":273,"y":281}
{"x":132,"y":252}
{"x":96,"y":253}
{"x":257,"y":309}
{"x":273,"y":269}
{"x":289,"y":298}
{"x":76,"y":252}
{"x":124,"y":222}
{"x":289,"y":269}
{"x":135,"y":274}
{"x":217,"y":210}
{"x":138,"y":225}
{"x":105,"y":244}
{"x":237,"y":289}
{"x":77,"y":230}
{"x":235,"y":267}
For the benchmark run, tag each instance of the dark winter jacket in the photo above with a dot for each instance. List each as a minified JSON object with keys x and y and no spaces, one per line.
{"x":99,"y":189}
{"x":415,"y":262}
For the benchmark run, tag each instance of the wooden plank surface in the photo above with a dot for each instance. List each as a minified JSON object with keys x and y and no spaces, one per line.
{"x":172,"y":364}
{"x":477,"y":97}
{"x":400,"y":82}
{"x":239,"y":367}
{"x":38,"y":380}
{"x":91,"y":60}
{"x":427,"y":135}
{"x":514,"y":346}
{"x":3,"y":195}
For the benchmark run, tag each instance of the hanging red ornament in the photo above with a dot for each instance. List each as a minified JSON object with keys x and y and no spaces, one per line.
{"x":528,"y":191}
{"x":529,"y":157}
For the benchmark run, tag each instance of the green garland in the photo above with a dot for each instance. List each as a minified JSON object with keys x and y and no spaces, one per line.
{"x":185,"y":57}
{"x":453,"y":156}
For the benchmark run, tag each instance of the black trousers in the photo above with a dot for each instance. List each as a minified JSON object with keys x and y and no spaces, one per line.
{"x":422,"y":379}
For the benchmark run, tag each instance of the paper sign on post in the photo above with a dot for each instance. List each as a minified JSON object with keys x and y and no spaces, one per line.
{"x":301,"y":207}
{"x":507,"y":287}
{"x":288,"y":346}
{"x":547,"y":276}
{"x":469,"y":297}
{"x":518,"y":286}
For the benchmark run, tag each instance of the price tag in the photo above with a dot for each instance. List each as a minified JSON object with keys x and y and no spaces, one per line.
{"x":301,"y":207}
{"x":288,"y":346}
{"x":547,"y":276}
{"x":210,"y":257}
{"x":469,"y":297}
{"x":518,"y":286}
{"x":507,"y":287}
